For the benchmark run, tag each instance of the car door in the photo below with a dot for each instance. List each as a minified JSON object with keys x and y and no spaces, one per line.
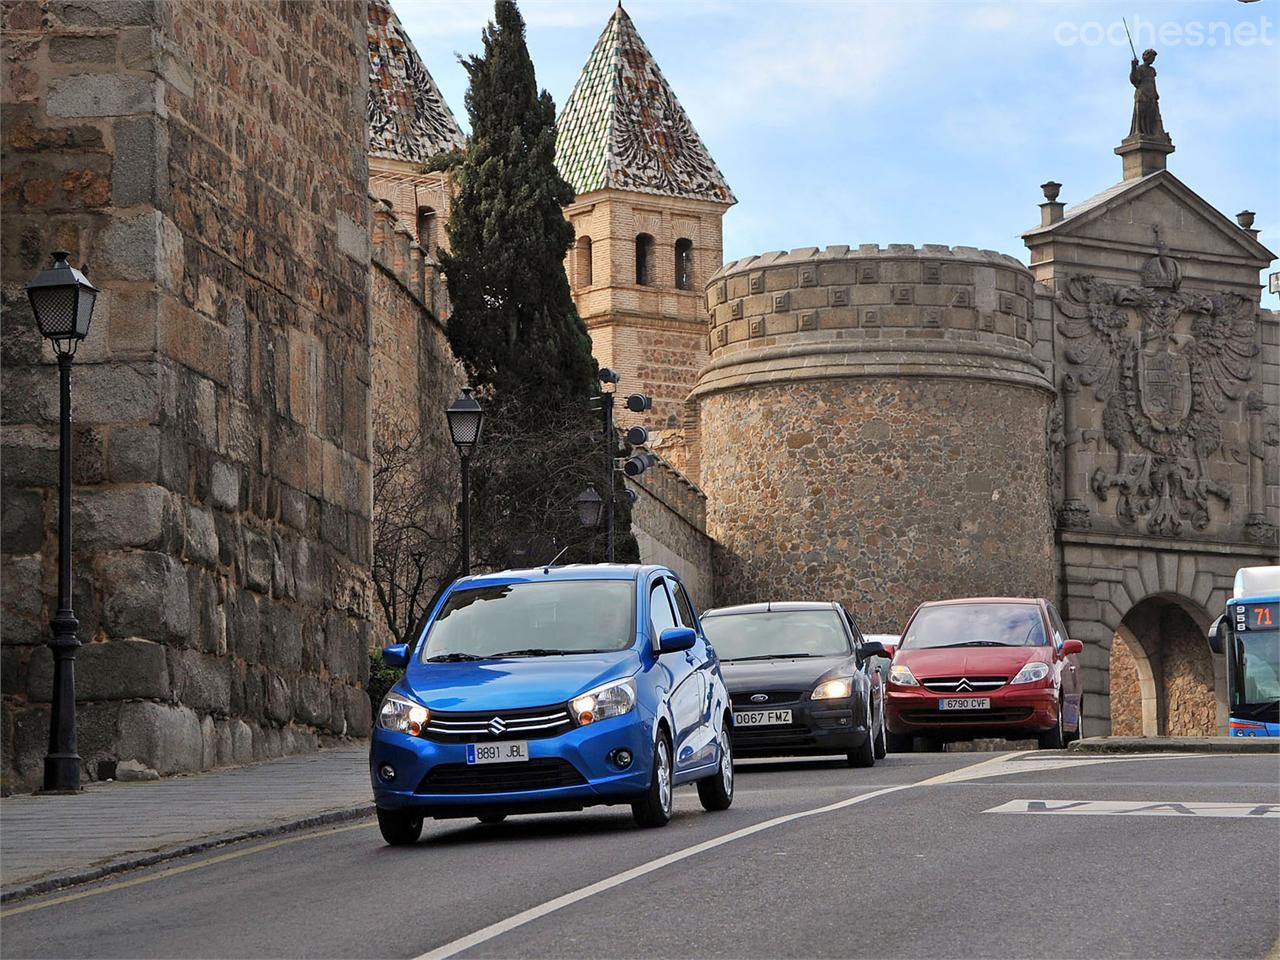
{"x":866,"y":677}
{"x":702,"y":742}
{"x":684,"y":700}
{"x":1072,"y":686}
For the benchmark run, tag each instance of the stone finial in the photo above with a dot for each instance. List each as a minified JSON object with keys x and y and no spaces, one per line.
{"x":1051,"y":209}
{"x":1245,"y":219}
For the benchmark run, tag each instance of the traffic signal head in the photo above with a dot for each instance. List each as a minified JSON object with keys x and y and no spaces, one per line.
{"x":638,"y":464}
{"x":637,"y":436}
{"x":639,"y":403}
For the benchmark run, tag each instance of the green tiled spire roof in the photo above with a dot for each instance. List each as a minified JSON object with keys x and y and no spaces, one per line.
{"x":622,"y":126}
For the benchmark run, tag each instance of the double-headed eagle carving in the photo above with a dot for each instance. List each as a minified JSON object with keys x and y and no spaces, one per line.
{"x":1164,"y":391}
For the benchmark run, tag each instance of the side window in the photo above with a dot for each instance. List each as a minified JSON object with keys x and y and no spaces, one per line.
{"x":660,"y":615}
{"x":683,"y":607}
{"x":1059,"y":631}
{"x":853,"y":628}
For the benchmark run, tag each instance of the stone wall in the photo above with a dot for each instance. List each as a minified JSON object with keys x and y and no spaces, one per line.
{"x":216,"y":190}
{"x":873,"y":425}
{"x":669,"y":520}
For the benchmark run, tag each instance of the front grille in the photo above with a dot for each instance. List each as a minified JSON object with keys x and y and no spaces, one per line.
{"x":743,"y":701}
{"x":771,"y":738}
{"x":542,"y":773}
{"x":533,"y":723}
{"x":963,"y":684}
{"x":1006,"y":715}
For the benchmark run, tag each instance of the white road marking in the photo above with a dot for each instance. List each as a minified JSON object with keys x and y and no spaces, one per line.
{"x":1142,"y":808}
{"x":1001,"y":765}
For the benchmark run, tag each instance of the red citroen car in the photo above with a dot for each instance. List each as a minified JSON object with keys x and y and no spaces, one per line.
{"x":984,"y":667}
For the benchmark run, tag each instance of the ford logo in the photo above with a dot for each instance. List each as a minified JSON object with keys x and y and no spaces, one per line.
{"x":759,"y":697}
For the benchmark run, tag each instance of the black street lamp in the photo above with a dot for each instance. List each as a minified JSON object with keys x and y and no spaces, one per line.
{"x":62,"y":300}
{"x":465,"y":420}
{"x":590,"y":506}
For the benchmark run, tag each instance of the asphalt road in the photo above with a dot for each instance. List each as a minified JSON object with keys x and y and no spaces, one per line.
{"x":813,"y":860}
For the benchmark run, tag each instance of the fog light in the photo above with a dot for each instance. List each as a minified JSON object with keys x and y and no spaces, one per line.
{"x":387,"y":772}
{"x":622,"y":758}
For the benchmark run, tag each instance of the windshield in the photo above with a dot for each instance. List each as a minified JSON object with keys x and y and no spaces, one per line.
{"x":544,"y":618}
{"x":783,"y":633}
{"x":975,"y":625}
{"x":1255,"y":640}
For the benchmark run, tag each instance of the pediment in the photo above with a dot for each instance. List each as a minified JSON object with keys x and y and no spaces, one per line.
{"x":1127,"y":212}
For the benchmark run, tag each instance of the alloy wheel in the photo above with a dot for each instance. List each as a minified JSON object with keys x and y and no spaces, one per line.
{"x":726,"y":764}
{"x":664,"y":776}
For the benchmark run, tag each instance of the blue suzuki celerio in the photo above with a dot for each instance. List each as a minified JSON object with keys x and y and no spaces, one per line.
{"x":552,"y":689}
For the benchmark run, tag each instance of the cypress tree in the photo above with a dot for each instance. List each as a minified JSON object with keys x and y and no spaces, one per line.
{"x":513,"y":323}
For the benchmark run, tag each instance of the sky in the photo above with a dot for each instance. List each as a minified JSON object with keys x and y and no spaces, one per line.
{"x":922,"y":121}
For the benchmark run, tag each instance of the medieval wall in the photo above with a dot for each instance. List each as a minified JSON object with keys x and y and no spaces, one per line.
{"x":669,"y":523}
{"x":217,"y":192}
{"x":878,"y":423}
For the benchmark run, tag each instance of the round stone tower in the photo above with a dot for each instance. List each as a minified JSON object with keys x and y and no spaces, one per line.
{"x":873,"y":429}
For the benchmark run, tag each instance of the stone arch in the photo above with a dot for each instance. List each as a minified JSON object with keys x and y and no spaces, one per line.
{"x":1134,"y":695}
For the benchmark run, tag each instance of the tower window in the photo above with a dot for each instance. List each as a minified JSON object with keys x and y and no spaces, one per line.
{"x":684,"y":264}
{"x":644,"y":259}
{"x":426,"y":229}
{"x":584,"y":262}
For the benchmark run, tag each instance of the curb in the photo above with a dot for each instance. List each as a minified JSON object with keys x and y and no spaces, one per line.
{"x":1219,"y":745}
{"x":78,"y":875}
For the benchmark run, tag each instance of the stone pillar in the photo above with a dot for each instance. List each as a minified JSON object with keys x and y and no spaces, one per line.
{"x":1074,"y":514}
{"x":1257,"y":526}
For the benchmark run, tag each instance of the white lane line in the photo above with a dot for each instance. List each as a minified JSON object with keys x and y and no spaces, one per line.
{"x":1142,"y":808}
{"x":551,"y":906}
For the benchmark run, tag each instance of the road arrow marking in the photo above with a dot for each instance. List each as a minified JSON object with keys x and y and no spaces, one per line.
{"x":1142,"y":808}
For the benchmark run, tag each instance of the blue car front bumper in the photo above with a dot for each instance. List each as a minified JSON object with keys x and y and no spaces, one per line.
{"x":435,"y":778}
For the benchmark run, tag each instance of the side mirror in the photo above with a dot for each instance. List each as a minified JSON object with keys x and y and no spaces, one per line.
{"x":1217,"y":635}
{"x":873,"y":648}
{"x":890,"y":649}
{"x":1072,"y":646}
{"x":675,"y":639}
{"x":396,"y":655}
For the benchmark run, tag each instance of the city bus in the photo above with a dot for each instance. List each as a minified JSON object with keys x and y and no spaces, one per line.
{"x":1249,"y":634}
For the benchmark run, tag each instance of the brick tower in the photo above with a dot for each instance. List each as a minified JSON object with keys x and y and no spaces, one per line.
{"x":409,"y":123}
{"x":647,"y":219}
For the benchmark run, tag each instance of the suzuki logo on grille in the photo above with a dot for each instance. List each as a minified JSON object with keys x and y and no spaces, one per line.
{"x":496,"y":726}
{"x":964,"y":684}
{"x":759,"y":697}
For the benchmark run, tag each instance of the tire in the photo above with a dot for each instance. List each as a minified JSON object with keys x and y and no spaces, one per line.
{"x":491,"y":817}
{"x":881,"y":745}
{"x":654,"y":808}
{"x":865,"y":755}
{"x":1053,"y":739}
{"x":716,"y":791}
{"x":400,"y":828}
{"x":899,"y":742}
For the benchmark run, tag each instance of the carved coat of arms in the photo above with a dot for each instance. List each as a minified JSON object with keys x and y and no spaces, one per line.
{"x":1164,"y":391}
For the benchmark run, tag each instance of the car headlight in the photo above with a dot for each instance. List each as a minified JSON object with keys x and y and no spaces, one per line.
{"x":1031,"y":672}
{"x":402,"y":715}
{"x":611,"y":700}
{"x":836,"y":689}
{"x":902,"y":676}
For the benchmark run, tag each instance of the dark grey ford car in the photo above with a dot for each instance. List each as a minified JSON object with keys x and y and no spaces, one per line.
{"x":801,"y":679}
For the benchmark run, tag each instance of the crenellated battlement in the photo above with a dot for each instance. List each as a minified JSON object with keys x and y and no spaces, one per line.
{"x":394,"y":249}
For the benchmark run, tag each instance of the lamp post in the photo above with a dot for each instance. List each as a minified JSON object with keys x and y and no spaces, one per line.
{"x":465,"y":418}
{"x":62,"y":300}
{"x":590,"y":507}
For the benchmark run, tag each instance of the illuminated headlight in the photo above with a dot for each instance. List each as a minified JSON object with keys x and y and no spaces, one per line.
{"x":902,"y":676}
{"x":833,"y":689}
{"x":402,"y":716}
{"x":1031,"y":672}
{"x":611,"y":700}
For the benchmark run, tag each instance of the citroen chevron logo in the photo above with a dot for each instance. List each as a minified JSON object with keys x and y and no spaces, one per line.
{"x":496,"y":726}
{"x":964,"y":684}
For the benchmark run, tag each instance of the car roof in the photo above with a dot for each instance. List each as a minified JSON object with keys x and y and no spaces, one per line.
{"x":569,"y":571}
{"x":773,"y":606}
{"x":939,"y":603}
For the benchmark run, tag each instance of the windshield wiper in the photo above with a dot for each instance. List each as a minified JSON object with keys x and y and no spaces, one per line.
{"x":454,"y":658}
{"x":540,"y":652}
{"x":978,"y":643}
{"x":770,"y":656}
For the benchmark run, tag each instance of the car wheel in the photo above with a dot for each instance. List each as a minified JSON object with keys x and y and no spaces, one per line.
{"x":491,"y":817}
{"x":899,"y":742}
{"x":882,"y":743}
{"x":716,"y":791}
{"x":865,"y":755}
{"x":400,"y":828}
{"x":654,"y":808}
{"x":1052,"y":739}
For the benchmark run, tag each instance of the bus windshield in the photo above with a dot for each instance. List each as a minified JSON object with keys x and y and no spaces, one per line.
{"x":1255,"y":687}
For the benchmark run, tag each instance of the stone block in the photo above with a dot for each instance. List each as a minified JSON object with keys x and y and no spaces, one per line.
{"x":282,"y":644}
{"x":258,"y":562}
{"x":201,"y":536}
{"x":353,"y":239}
{"x":141,"y":516}
{"x":82,"y":49}
{"x":146,"y":597}
{"x":359,"y":713}
{"x":278,"y":699}
{"x":139,"y":171}
{"x":311,"y":701}
{"x":114,"y":670}
{"x":22,"y":520}
{"x":244,"y":628}
{"x":201,"y":681}
{"x":111,"y":13}
{"x":164,"y":737}
{"x":224,"y":485}
{"x":117,"y":393}
{"x":133,"y":454}
{"x":102,"y":95}
{"x":22,"y":593}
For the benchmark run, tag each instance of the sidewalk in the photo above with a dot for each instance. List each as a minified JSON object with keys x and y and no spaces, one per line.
{"x":1176,"y":745}
{"x":49,"y":841}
